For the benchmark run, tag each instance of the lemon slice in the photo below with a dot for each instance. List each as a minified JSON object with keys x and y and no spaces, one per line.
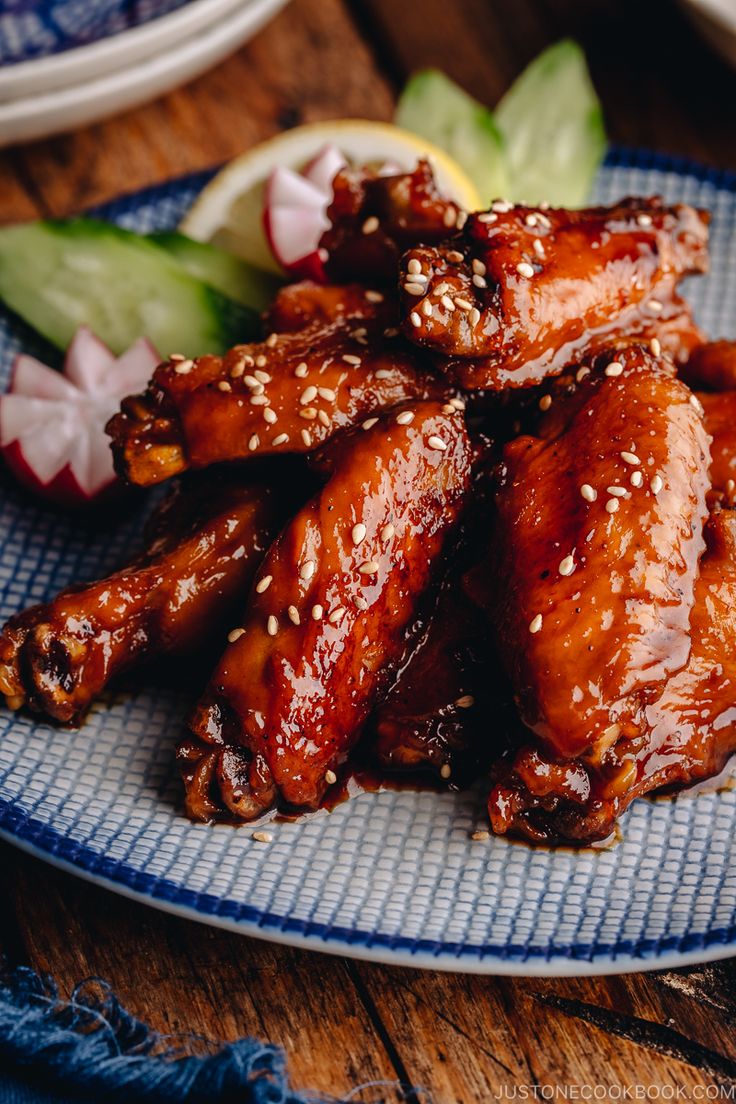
{"x":228,"y":212}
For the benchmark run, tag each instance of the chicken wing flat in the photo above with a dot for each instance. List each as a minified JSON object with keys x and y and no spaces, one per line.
{"x":205,"y":546}
{"x":288,"y":394}
{"x":526,"y":292}
{"x":595,"y":549}
{"x":434,"y":718}
{"x":299,"y":306}
{"x":327,"y":620}
{"x":687,"y":734}
{"x":374,"y":217}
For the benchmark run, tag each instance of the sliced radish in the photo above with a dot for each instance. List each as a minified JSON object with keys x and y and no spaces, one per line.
{"x":295,"y":213}
{"x":52,"y":424}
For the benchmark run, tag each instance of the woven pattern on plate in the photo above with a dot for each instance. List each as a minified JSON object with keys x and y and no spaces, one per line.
{"x":394,"y":874}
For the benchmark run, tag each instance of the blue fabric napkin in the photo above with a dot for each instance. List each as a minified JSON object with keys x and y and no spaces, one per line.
{"x":90,"y":1048}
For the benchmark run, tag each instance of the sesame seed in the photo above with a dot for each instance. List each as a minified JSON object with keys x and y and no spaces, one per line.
{"x":293,"y":614}
{"x":730,"y":486}
{"x":323,"y":418}
{"x":612,"y":505}
{"x":458,"y":403}
{"x":545,"y":402}
{"x":656,"y":306}
{"x":262,"y":837}
{"x":414,"y":266}
{"x":636,"y":479}
{"x":360,"y":603}
{"x":371,"y":225}
{"x":480,"y":281}
{"x":447,"y":303}
{"x":589,"y":493}
{"x":183,"y":367}
{"x":262,"y":377}
{"x":306,"y":438}
{"x":542,"y":219}
{"x":463,"y":304}
{"x":531,"y":220}
{"x":406,"y":417}
{"x":502,"y":206}
{"x":567,"y":566}
{"x":263,"y":584}
{"x":307,"y":570}
{"x":369,"y":423}
{"x":535,"y":624}
{"x":630,"y":458}
{"x":616,"y":491}
{"x":327,"y":394}
{"x":474,"y":316}
{"x":308,"y":412}
{"x":525,"y":269}
{"x":358,"y":533}
{"x":415,"y":319}
{"x":374,"y":296}
{"x":387,"y":532}
{"x":370,"y":567}
{"x":615,"y":368}
{"x":644,"y":220}
{"x":465,"y":702}
{"x":445,"y":770}
{"x":455,"y":257}
{"x":478,"y":267}
{"x":253,"y":384}
{"x":301,"y":370}
{"x":350,"y":358}
{"x":436,"y":443}
{"x":383,"y":373}
{"x":261,"y":361}
{"x":272,"y":625}
{"x":248,"y":360}
{"x":336,"y":615}
{"x":462,"y":218}
{"x":254,"y":442}
{"x":223,"y":385}
{"x":173,"y":357}
{"x":413,"y":288}
{"x":281,"y":439}
{"x":272,"y":340}
{"x":237,"y":370}
{"x":655,"y":346}
{"x":235,"y":634}
{"x":581,"y":374}
{"x":656,"y":484}
{"x":330,"y":777}
{"x":538,"y":247}
{"x":450,"y":216}
{"x":480,"y":836}
{"x":442,"y":288}
{"x":259,"y":400}
{"x":317,"y":612}
{"x":426,"y":308}
{"x":487,"y":217}
{"x":308,"y":395}
{"x":270,"y":415}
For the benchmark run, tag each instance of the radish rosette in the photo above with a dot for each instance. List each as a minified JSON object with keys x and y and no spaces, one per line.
{"x":52,"y":424}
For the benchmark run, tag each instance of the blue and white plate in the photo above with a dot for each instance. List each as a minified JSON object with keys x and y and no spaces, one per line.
{"x":391,"y":876}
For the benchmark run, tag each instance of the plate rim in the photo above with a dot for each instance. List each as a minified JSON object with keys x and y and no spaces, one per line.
{"x":21,"y":829}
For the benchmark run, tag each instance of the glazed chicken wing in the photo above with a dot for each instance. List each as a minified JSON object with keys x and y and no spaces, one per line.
{"x":206,"y":543}
{"x":288,"y":394}
{"x":374,"y":217}
{"x":327,"y":620}
{"x":595,"y":550}
{"x":526,"y":292}
{"x":719,"y":413}
{"x":687,"y":734}
{"x":299,"y":306}
{"x":712,"y":367}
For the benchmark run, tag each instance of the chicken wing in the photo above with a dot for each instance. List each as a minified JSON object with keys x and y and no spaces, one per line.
{"x":712,"y":367}
{"x":205,"y":546}
{"x":288,"y":394}
{"x":595,"y":549}
{"x":327,"y":620}
{"x":687,"y":734}
{"x":719,"y":414}
{"x":526,"y":292}
{"x":375,"y":216}
{"x":299,"y":306}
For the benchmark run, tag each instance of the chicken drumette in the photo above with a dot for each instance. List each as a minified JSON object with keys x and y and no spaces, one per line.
{"x":328,"y":617}
{"x":525,"y":292}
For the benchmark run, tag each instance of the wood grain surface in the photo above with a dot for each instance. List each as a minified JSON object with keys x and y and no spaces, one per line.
{"x":453,"y":1038}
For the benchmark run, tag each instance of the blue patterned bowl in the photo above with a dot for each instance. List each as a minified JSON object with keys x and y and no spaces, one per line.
{"x":392,"y":876}
{"x":37,"y":28}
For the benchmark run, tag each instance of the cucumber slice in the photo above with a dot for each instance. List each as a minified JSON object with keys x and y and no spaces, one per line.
{"x":552,"y":125}
{"x":60,"y":275}
{"x":237,"y":279}
{"x":436,"y":108}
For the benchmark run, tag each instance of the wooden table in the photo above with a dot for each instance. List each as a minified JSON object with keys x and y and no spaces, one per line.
{"x":345,"y":1023}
